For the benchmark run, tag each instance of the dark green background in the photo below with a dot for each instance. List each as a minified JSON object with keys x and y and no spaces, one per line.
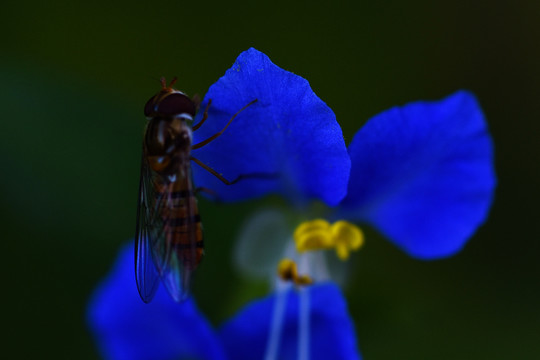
{"x":75,"y":75}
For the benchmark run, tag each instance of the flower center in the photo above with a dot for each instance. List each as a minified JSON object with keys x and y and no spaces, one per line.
{"x":311,"y":236}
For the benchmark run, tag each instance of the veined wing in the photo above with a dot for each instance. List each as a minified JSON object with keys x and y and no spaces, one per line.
{"x":170,"y":231}
{"x":145,"y":270}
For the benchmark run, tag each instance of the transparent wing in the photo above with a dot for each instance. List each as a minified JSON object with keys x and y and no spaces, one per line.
{"x":169,"y":233}
{"x":145,"y":270}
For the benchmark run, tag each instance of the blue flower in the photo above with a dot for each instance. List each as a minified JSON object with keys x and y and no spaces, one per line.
{"x":289,"y":131}
{"x":126,"y":328}
{"x":422,"y":174}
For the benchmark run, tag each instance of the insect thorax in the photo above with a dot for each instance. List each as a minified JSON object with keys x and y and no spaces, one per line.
{"x":167,"y":143}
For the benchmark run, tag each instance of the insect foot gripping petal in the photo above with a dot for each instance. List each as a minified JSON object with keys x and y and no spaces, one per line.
{"x":319,"y":234}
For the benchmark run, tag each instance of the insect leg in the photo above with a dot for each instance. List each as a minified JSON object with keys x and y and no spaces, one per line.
{"x":197,"y":101}
{"x":215,"y":136}
{"x":206,"y":190}
{"x":210,"y":170}
{"x":240,"y":177}
{"x":215,"y":197}
{"x":205,"y":116}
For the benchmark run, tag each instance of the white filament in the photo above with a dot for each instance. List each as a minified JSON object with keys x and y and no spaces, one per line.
{"x":304,"y":310}
{"x":276,"y":327}
{"x":304,"y":324}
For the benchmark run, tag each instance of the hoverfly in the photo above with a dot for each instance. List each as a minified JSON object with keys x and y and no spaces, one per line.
{"x":169,"y":239}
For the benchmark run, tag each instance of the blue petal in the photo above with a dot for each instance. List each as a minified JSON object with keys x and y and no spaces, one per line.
{"x":289,"y":132}
{"x":423,"y":174}
{"x":127,"y":329}
{"x":332,"y":335}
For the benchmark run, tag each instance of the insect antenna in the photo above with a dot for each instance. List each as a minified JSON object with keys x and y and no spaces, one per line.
{"x":173,"y":81}
{"x":163,"y":82}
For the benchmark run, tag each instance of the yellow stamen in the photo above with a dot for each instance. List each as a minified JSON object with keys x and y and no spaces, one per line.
{"x":288,"y":271}
{"x":348,"y":237}
{"x":313,"y":235}
{"x":318,"y":234}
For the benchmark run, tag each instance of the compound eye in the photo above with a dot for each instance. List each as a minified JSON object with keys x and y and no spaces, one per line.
{"x":149,"y":108}
{"x":175,"y":104}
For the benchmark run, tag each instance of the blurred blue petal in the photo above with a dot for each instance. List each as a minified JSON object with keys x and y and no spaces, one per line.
{"x":289,"y":131}
{"x":423,"y":174}
{"x":128,"y":329}
{"x":332,"y":334}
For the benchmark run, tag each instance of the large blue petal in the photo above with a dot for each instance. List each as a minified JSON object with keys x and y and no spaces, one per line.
{"x":423,"y":174}
{"x":332,"y":334}
{"x":127,"y":329}
{"x":289,"y":132}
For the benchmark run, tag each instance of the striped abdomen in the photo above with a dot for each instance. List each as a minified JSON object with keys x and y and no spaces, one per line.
{"x":181,"y":221}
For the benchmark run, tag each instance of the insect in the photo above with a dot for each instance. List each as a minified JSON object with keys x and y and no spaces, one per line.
{"x":169,"y":238}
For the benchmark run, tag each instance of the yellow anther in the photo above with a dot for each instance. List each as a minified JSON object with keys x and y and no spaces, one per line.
{"x":347,"y":237}
{"x":288,"y":271}
{"x":307,"y":226}
{"x":318,"y":234}
{"x":313,"y":235}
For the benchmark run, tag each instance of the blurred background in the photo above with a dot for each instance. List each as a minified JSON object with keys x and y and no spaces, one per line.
{"x":74,"y":79}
